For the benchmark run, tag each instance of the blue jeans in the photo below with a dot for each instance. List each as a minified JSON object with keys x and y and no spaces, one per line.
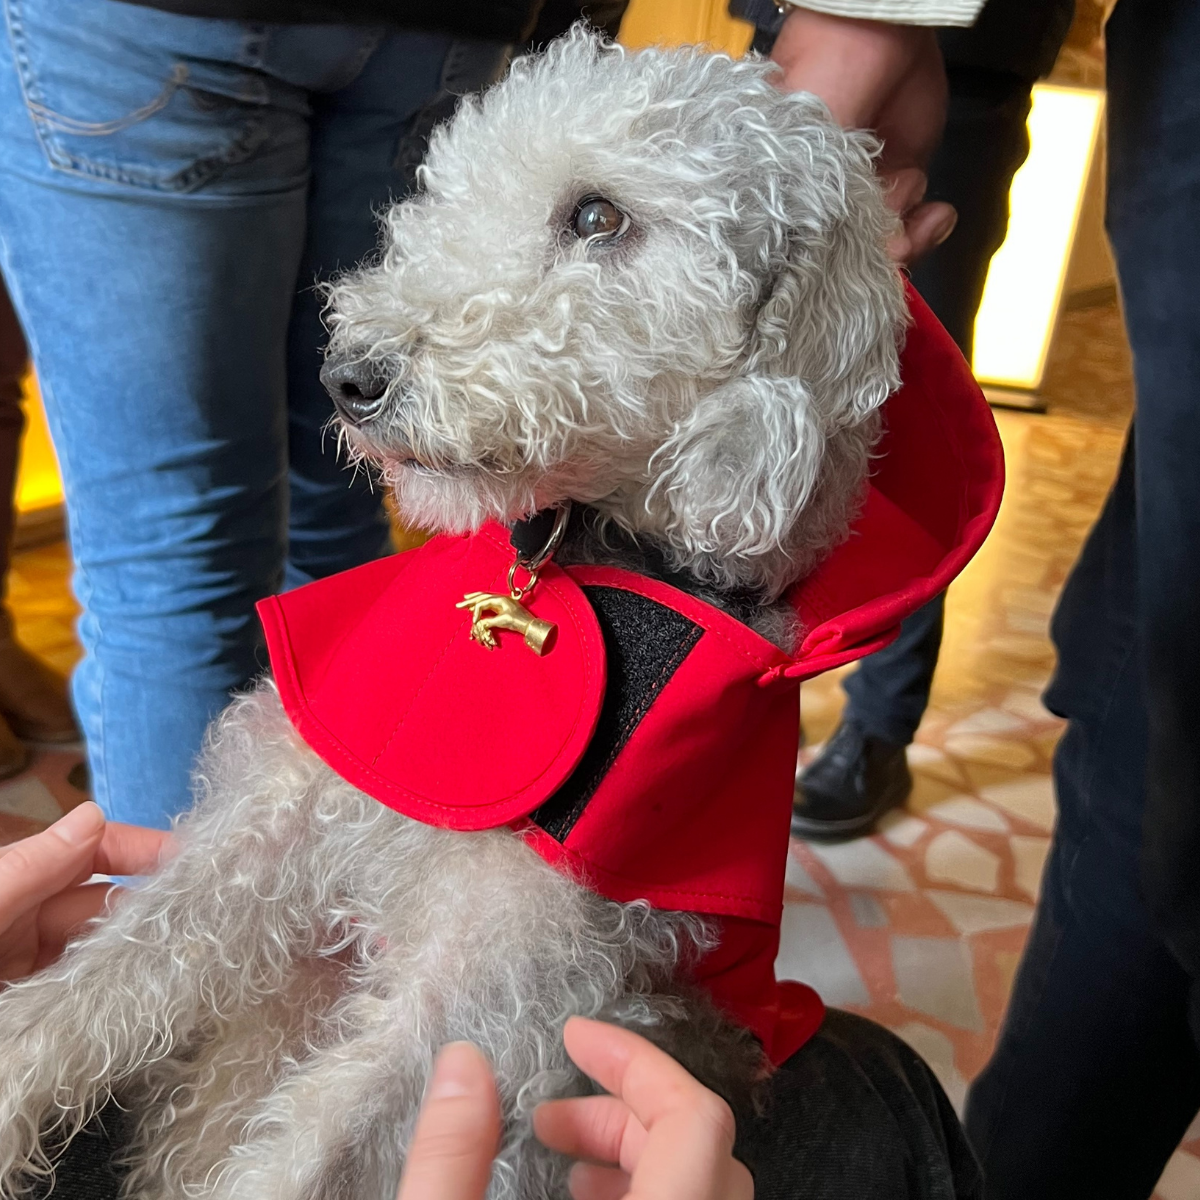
{"x":1096,"y":1074}
{"x":170,"y":190}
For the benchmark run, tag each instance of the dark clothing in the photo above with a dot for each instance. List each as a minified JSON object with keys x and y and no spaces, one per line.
{"x":531,"y":21}
{"x":856,"y":1114}
{"x":984,"y":144}
{"x":14,"y":362}
{"x":1011,"y":37}
{"x":853,"y":1115}
{"x":1094,"y":1078}
{"x":1096,"y":1074}
{"x":888,"y":694}
{"x":496,"y":20}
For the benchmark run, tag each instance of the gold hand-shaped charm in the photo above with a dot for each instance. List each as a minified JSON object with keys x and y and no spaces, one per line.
{"x":508,"y":613}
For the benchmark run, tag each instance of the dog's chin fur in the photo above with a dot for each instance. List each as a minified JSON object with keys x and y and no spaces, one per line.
{"x":709,"y":381}
{"x":269,"y":1005}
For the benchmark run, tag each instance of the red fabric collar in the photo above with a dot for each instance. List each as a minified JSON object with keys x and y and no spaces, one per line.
{"x":691,"y":811}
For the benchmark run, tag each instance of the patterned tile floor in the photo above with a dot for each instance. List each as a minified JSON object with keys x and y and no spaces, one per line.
{"x":920,"y":927}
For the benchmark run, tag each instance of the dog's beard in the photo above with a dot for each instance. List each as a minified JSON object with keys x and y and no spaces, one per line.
{"x":459,"y":500}
{"x":462,"y":499}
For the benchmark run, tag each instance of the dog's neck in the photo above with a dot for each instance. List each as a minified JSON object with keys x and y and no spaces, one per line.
{"x":593,"y":540}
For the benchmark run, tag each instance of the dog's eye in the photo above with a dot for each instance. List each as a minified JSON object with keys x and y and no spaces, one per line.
{"x":596,"y":217}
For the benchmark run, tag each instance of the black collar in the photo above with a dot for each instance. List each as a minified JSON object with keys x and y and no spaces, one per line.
{"x":529,"y":536}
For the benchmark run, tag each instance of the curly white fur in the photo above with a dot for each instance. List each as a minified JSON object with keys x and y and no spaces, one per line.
{"x":708,"y":380}
{"x":269,"y":1005}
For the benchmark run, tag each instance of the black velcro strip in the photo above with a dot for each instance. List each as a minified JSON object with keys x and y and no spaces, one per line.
{"x":645,"y":643}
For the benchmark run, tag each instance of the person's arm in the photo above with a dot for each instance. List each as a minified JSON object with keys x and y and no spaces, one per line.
{"x":44,"y":893}
{"x":902,"y":12}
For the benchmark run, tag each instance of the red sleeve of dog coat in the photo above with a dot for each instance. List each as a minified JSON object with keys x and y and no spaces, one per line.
{"x":377,"y":672}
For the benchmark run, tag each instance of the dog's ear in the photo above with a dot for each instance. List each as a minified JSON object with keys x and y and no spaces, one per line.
{"x":831,"y":308}
{"x":729,"y":482}
{"x":762,"y":477}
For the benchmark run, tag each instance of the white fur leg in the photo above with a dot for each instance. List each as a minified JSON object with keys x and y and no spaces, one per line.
{"x":334,"y":1127}
{"x":217,"y":931}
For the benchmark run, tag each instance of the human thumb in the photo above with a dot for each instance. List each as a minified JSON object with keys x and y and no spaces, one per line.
{"x":457,"y":1131}
{"x":38,"y":867}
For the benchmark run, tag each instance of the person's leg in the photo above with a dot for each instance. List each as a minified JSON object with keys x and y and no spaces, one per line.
{"x":152,"y":218}
{"x":33,"y":698}
{"x":888,"y":694}
{"x":1153,"y":215}
{"x":367,"y":139}
{"x":1094,"y":1077}
{"x":855,"y":1114}
{"x":14,"y":359}
{"x":863,"y":770}
{"x":14,"y":362}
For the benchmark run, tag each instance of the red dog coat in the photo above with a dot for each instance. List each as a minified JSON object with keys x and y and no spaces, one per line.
{"x":651,"y":753}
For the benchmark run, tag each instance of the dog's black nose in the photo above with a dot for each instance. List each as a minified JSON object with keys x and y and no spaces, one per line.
{"x":357,"y":386}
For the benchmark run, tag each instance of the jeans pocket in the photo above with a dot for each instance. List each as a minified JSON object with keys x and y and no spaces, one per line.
{"x":471,"y":65}
{"x":113,"y":96}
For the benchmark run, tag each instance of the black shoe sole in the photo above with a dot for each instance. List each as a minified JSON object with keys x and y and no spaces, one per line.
{"x":812,"y":830}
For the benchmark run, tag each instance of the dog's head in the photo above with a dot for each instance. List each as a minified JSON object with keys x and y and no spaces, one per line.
{"x":652,"y":283}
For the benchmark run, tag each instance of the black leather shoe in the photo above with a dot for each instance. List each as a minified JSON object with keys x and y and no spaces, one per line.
{"x":849,"y":786}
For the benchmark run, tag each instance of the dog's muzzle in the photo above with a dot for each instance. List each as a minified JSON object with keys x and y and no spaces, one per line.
{"x":357,"y":385}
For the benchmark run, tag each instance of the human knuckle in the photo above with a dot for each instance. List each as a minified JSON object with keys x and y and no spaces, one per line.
{"x":449,"y":1144}
{"x":716,"y":1116}
{"x":18,"y":862}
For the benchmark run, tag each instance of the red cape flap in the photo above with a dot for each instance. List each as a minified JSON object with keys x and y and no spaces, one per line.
{"x":693,"y":813}
{"x":739,"y":974}
{"x":378,"y":674}
{"x":933,"y":496}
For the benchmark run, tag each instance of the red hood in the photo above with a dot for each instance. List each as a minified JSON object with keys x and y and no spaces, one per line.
{"x":651,"y":753}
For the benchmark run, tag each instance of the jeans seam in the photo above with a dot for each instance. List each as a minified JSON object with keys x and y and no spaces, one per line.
{"x":45,"y":119}
{"x":176,"y":80}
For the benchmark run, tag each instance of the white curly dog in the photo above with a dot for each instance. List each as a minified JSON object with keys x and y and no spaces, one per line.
{"x":651,"y":284}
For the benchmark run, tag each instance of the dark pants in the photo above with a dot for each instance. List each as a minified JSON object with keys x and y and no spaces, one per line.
{"x":985,"y":143}
{"x":855,"y":1114}
{"x":1096,"y":1073}
{"x":14,"y":360}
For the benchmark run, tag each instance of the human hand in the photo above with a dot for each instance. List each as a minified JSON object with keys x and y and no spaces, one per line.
{"x":44,"y":893}
{"x":658,"y":1135}
{"x":457,"y":1132}
{"x":886,"y":78}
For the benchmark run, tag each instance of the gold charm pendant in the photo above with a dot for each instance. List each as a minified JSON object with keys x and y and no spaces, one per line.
{"x":507,"y":613}
{"x":491,"y":611}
